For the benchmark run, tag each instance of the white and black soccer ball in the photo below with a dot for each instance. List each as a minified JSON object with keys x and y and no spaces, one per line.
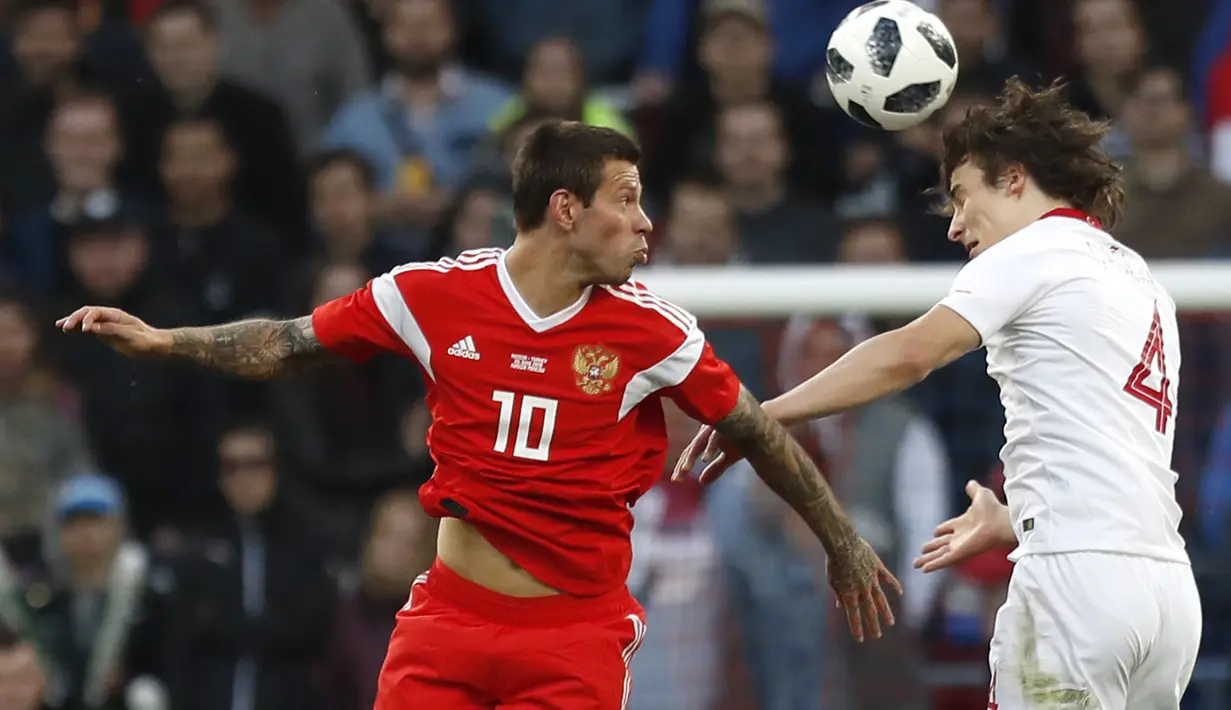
{"x":890,"y":64}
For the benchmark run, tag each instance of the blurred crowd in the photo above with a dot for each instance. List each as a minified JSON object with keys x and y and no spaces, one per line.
{"x":174,"y":540}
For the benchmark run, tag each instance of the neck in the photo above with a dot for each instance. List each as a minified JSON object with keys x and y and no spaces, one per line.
{"x":1160,"y":168}
{"x":421,"y":89}
{"x":747,"y":86}
{"x":545,"y":275}
{"x":190,"y":100}
{"x":204,"y":213}
{"x":756,"y":199}
{"x":91,"y":575}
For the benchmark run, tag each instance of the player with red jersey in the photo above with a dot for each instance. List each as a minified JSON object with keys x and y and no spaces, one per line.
{"x":545,"y":366}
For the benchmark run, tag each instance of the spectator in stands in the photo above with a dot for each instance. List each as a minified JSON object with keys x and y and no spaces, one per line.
{"x":85,"y":146}
{"x":554,"y":84}
{"x":776,"y":225}
{"x":701,"y":228}
{"x":46,"y":47}
{"x":342,"y":195}
{"x":100,"y":609}
{"x":147,"y":421}
{"x":800,"y":30}
{"x":22,"y":682}
{"x":982,"y":53}
{"x":219,"y":255}
{"x":41,"y":440}
{"x":873,"y":241}
{"x":504,"y":32}
{"x":420,"y":127}
{"x":255,"y":598}
{"x":888,"y":466}
{"x":479,"y":218}
{"x":183,"y":44}
{"x":1174,"y":209}
{"x":1111,"y":44}
{"x":307,"y":55}
{"x":679,"y":665}
{"x":736,"y":51}
{"x":400,"y":546}
{"x":340,"y":427}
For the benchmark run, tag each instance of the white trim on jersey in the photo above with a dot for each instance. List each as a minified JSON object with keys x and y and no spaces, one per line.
{"x":397,"y":313}
{"x":668,"y":372}
{"x":634,"y":292}
{"x":630,"y":650}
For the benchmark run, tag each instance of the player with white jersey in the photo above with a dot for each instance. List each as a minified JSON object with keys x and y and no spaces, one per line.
{"x":1102,"y":610}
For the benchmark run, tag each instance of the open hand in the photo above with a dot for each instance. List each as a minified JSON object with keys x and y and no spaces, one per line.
{"x":709,"y":446}
{"x":126,"y":333}
{"x":984,"y":526}
{"x":856,"y":575}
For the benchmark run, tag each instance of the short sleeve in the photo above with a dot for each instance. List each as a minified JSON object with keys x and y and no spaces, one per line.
{"x":704,"y":386}
{"x":995,"y":288}
{"x":375,"y":319}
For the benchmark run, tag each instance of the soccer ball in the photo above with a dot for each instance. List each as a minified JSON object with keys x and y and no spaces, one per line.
{"x":891,"y":64}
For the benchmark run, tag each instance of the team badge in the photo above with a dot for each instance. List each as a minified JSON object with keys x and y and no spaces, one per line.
{"x":595,"y":367}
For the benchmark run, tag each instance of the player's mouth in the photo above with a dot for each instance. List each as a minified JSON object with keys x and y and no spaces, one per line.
{"x":970,"y":249}
{"x":641,"y":256}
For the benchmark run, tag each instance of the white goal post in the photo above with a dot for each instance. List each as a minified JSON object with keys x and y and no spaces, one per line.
{"x":780,"y":291}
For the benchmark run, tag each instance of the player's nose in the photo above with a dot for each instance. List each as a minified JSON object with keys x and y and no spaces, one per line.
{"x":956,"y":230}
{"x":642,"y":224}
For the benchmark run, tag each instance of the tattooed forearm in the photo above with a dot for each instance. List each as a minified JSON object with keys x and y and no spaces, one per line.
{"x":788,"y":470}
{"x":255,"y":349}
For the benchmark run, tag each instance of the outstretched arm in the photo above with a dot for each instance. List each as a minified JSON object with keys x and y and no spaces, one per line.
{"x":788,"y":470}
{"x":883,"y":365}
{"x":255,"y":349}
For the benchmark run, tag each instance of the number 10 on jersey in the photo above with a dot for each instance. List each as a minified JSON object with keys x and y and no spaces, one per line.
{"x":530,"y":412}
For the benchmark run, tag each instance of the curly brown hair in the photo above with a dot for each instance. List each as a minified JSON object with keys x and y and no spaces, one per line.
{"x":1059,"y":146}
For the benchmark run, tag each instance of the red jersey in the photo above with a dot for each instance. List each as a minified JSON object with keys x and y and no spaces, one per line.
{"x":545,"y":430}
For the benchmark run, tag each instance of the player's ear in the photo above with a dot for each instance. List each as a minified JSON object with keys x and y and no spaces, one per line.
{"x":1015,"y":180}
{"x":564,"y":209}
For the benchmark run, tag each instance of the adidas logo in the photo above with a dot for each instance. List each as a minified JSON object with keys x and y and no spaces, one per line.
{"x":465,"y":348}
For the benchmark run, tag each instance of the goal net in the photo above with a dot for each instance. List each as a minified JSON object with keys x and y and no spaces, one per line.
{"x":737,"y":617}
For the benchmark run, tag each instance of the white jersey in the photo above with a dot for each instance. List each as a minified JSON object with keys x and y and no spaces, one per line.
{"x":1083,"y":343}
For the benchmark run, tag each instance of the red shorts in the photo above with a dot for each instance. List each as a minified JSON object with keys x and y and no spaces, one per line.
{"x":460,"y":646}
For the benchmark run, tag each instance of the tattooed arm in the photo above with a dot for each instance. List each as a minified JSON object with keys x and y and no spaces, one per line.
{"x":788,"y":470}
{"x":855,"y":571}
{"x":254,"y":349}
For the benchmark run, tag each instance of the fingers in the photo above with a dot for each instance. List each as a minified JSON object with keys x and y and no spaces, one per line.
{"x":716,"y":468}
{"x":946,"y":528}
{"x":850,"y":603}
{"x":887,"y":576}
{"x":87,"y":319}
{"x":688,"y":459}
{"x":936,"y":543}
{"x":882,"y":608}
{"x":870,"y":612}
{"x":939,"y":559}
{"x":713,"y":445}
{"x":972,"y":489}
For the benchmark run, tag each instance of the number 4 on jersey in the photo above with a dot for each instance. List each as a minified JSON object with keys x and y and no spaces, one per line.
{"x":1153,"y":360}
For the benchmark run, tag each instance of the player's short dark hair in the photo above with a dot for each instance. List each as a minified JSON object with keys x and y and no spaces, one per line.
{"x":342,"y":157}
{"x":563,"y":155}
{"x":199,"y":9}
{"x":1057,"y":144}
